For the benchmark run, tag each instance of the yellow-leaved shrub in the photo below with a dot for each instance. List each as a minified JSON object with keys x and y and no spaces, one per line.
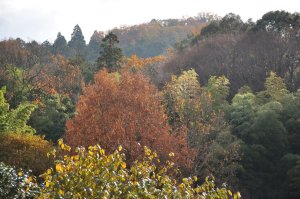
{"x":25,"y":151}
{"x":91,"y":173}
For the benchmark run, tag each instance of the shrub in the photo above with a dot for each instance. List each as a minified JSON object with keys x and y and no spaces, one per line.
{"x":16,"y":184}
{"x":93,"y":174}
{"x":25,"y":151}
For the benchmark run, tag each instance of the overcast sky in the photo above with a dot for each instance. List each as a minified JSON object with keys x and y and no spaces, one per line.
{"x":42,"y":19}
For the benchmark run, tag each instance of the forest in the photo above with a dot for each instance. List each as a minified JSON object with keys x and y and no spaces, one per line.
{"x":199,"y":107}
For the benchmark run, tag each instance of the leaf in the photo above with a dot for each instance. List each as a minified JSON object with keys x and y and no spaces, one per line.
{"x":59,"y":168}
{"x":120,"y":148}
{"x":123,"y":165}
{"x":20,"y":173}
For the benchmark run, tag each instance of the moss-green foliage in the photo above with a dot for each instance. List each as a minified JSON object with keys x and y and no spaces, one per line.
{"x":50,"y":117}
{"x":93,"y":174}
{"x":13,"y":78}
{"x":219,"y":89}
{"x":275,"y":87}
{"x":181,"y":99}
{"x":25,"y":151}
{"x":15,"y":120}
{"x":200,"y":110}
{"x":242,"y":114}
{"x":268,"y":124}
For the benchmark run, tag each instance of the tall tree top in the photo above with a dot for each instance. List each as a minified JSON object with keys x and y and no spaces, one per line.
{"x":77,"y":38}
{"x":77,"y":43}
{"x":60,"y":45}
{"x":278,"y":21}
{"x":111,"y":39}
{"x":60,"y":40}
{"x":96,"y":37}
{"x":110,"y":54}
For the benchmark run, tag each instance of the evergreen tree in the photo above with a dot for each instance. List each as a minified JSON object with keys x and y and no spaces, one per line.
{"x":110,"y":54}
{"x":50,"y":118}
{"x":60,"y":45}
{"x":77,"y":42}
{"x":94,"y":46}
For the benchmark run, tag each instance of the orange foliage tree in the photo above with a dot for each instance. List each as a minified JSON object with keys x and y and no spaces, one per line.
{"x":135,"y":62}
{"x":58,"y":76}
{"x":124,"y":109}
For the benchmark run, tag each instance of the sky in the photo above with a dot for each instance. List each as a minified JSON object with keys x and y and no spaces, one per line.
{"x":41,"y":20}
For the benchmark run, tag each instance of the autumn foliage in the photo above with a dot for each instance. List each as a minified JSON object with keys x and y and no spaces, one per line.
{"x":124,"y":109}
{"x":25,"y":151}
{"x":135,"y":62}
{"x":58,"y":76}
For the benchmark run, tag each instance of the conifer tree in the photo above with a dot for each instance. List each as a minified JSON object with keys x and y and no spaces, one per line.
{"x":110,"y":54}
{"x":77,"y":42}
{"x":60,"y":45}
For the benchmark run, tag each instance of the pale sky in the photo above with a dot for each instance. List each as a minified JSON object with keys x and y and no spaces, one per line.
{"x":41,"y":20}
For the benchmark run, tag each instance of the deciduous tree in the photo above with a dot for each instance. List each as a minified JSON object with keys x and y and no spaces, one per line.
{"x":123,"y":108}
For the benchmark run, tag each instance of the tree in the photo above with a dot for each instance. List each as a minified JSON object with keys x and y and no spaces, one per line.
{"x":231,"y":23}
{"x":60,"y":45}
{"x":262,"y":152}
{"x":14,"y":52}
{"x":290,"y":116}
{"x":275,"y":87}
{"x":258,"y":123}
{"x":123,"y":108}
{"x":110,"y":54}
{"x":59,"y":76}
{"x":77,"y":43}
{"x":49,"y":119}
{"x":181,"y":100}
{"x":137,"y":63}
{"x":242,"y":113}
{"x":280,"y":21}
{"x":293,"y":179}
{"x":87,"y":69}
{"x":188,"y":104}
{"x":17,"y":84}
{"x":15,"y":120}
{"x":93,"y":47}
{"x":219,"y":89}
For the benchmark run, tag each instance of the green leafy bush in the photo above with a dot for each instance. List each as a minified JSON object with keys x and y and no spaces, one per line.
{"x":14,"y":120}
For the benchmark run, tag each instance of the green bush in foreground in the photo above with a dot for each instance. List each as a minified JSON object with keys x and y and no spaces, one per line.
{"x":93,"y":174}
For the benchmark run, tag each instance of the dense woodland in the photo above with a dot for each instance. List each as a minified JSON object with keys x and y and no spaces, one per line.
{"x":203,"y":107}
